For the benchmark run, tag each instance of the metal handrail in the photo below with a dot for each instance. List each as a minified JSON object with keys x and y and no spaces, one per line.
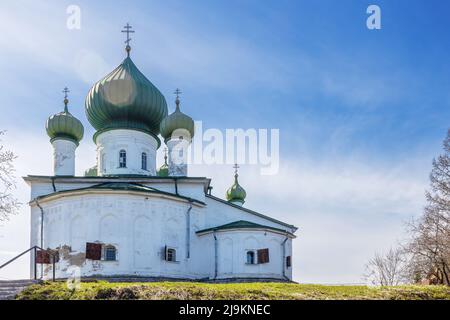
{"x":35,"y":248}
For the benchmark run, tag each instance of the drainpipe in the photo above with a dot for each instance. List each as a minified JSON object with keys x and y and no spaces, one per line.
{"x":188,"y":230}
{"x":42,"y":234}
{"x":176,"y":186}
{"x":283,"y":244}
{"x":53,"y":184}
{"x":215,"y":255}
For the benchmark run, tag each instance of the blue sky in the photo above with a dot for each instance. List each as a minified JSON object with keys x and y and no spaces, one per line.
{"x":361,"y":113}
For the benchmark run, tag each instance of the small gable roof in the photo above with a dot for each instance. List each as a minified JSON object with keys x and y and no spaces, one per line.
{"x":242,"y":224}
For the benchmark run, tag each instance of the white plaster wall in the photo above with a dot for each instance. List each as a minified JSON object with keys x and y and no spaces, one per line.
{"x":63,"y":157}
{"x":141,"y":225}
{"x":232,"y":249}
{"x":134,"y":142}
{"x":178,"y":152}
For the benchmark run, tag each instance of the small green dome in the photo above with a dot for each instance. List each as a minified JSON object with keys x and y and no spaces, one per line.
{"x":64,"y":125}
{"x":176,"y":120}
{"x":91,"y":172}
{"x":236,"y":192}
{"x":125,"y":99}
{"x":164,"y":169}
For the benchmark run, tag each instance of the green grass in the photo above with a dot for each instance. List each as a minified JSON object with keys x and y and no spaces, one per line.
{"x":239,"y":291}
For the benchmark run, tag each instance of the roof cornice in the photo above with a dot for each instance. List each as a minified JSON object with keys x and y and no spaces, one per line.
{"x":103,"y":191}
{"x":265,"y":229}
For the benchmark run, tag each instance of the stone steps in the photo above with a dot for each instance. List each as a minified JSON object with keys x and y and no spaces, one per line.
{"x":10,"y":288}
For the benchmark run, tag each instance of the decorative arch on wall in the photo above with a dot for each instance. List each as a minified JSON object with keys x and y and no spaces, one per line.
{"x":172,"y":232}
{"x":49,"y":234}
{"x":250,"y":242}
{"x":109,"y":228}
{"x":226,"y":254}
{"x":142,"y":240}
{"x":77,"y":234}
{"x":275,"y":255}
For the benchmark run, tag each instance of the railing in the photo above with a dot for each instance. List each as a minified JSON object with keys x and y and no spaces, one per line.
{"x":35,"y":249}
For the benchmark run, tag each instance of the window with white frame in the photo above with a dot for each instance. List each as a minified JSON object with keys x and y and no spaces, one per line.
{"x":171,"y":255}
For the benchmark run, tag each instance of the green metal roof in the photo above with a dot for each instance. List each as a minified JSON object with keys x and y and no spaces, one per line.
{"x":242,"y":224}
{"x":236,"y":192}
{"x":91,"y":172}
{"x":174,"y":121}
{"x":64,"y":125}
{"x":125,"y":99}
{"x":163,"y":170}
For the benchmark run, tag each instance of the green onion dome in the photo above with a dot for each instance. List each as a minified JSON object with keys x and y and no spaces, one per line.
{"x":125,"y":99}
{"x":164,"y":169}
{"x":176,"y":120}
{"x":236,"y":192}
{"x":65,"y":126}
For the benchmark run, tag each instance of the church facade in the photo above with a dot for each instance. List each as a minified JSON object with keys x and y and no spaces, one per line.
{"x":126,"y":218}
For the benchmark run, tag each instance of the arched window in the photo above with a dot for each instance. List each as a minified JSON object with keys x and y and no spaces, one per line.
{"x":144,"y":161}
{"x":110,"y":253}
{"x":250,"y":257}
{"x":122,"y":159}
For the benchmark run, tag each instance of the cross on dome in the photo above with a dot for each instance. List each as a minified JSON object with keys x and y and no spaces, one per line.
{"x":128,"y":31}
{"x":177,"y":92}
{"x":236,"y":167}
{"x":66,"y":100}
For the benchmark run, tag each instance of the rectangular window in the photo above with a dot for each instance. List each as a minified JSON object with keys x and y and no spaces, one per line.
{"x":170,"y":254}
{"x":110,"y":253}
{"x":288,"y":262}
{"x":250,"y":257}
{"x":263,"y":255}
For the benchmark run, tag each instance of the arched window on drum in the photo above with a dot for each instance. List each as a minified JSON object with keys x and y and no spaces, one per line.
{"x":122,"y":159}
{"x":144,"y":161}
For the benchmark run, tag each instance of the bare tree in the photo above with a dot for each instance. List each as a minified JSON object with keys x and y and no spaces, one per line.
{"x":8,"y":203}
{"x":429,"y":246}
{"x":387,"y":269}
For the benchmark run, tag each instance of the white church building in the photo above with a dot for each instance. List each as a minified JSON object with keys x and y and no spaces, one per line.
{"x":125,"y":218}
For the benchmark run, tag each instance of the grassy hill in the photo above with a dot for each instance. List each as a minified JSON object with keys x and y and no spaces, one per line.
{"x":238,"y":291}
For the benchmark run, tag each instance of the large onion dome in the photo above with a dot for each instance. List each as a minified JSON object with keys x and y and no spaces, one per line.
{"x":176,"y":121}
{"x":236,"y":193}
{"x":126,"y":99}
{"x":64,"y":125}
